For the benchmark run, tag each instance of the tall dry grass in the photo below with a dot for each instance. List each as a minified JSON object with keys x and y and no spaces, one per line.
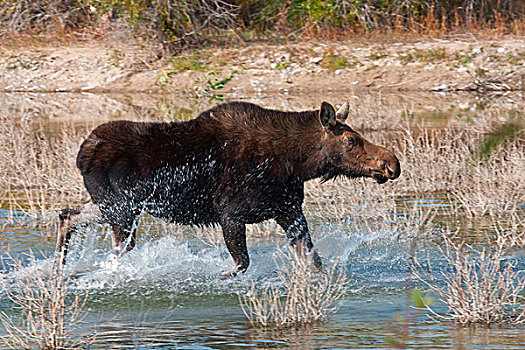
{"x":39,"y":175}
{"x":510,"y":231}
{"x":478,"y":285}
{"x":176,"y":24}
{"x":306,"y":295}
{"x":448,"y":161}
{"x":494,"y":182}
{"x":24,"y":16}
{"x":41,"y":312}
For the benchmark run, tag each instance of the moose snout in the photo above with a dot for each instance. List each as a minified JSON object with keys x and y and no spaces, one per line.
{"x":387,"y":168}
{"x":392,"y":168}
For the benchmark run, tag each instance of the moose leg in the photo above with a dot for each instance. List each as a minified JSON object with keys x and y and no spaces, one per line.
{"x":69,"y":220}
{"x":235,"y":238}
{"x":296,"y":229}
{"x":65,"y":229}
{"x":123,"y":235}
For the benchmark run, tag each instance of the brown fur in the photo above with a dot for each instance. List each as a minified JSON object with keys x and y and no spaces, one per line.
{"x":233,"y":165}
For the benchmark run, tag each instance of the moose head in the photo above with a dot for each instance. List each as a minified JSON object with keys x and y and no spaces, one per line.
{"x":348,"y":153}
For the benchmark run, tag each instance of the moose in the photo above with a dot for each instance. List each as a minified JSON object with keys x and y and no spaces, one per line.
{"x":233,"y":165}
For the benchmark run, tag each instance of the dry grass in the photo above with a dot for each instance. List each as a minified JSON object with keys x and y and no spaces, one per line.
{"x":39,"y":175}
{"x":490,"y":197}
{"x":448,"y":161}
{"x":306,"y":295}
{"x":46,"y":316}
{"x":494,"y":185}
{"x":510,"y":231}
{"x":432,"y":161}
{"x":479,"y":285}
{"x":226,"y":22}
{"x":348,"y":198}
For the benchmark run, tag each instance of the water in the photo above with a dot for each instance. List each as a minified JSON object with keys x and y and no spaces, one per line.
{"x":167,"y":293}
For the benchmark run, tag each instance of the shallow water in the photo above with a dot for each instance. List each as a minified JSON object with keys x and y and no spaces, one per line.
{"x":167,"y":294}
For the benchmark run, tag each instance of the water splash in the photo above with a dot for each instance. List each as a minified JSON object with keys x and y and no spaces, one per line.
{"x":171,"y":264}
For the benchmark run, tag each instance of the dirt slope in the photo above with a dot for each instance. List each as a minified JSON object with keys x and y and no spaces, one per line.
{"x":440,"y":65}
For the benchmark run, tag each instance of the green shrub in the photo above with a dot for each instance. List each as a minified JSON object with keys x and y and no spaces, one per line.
{"x":18,"y":16}
{"x":334,"y":62}
{"x":189,"y":23}
{"x":174,"y":23}
{"x":501,"y":134}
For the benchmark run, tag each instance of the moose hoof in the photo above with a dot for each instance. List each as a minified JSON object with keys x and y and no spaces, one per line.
{"x":232,"y":273}
{"x":316,"y":260}
{"x":227,"y":274}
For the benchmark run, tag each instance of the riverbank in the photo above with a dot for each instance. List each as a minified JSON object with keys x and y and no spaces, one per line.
{"x":459,"y":64}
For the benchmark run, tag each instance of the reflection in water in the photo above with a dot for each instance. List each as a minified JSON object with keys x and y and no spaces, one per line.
{"x":225,"y":332}
{"x":425,"y":109}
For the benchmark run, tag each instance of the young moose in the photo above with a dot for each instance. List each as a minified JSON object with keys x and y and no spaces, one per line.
{"x":233,"y":165}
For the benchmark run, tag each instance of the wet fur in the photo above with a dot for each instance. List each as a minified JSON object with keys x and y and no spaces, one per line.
{"x":233,"y":165}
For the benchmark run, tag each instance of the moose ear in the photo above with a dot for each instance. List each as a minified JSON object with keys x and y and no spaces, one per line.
{"x":327,"y":115}
{"x":342,"y":113}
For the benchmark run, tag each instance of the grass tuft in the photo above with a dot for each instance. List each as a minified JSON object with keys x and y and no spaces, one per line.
{"x":308,"y":296}
{"x":480,"y":285}
{"x":41,"y":311}
{"x":333,"y":62}
{"x":501,"y":134}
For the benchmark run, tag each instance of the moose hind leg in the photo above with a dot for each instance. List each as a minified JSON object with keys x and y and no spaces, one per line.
{"x":65,"y":229}
{"x":235,"y":239}
{"x":69,"y":220}
{"x":122,"y":240}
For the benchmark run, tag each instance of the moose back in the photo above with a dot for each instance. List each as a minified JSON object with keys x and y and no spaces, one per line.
{"x":233,"y":165}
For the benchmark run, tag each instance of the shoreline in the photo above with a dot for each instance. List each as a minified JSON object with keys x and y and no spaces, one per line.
{"x":434,"y":65}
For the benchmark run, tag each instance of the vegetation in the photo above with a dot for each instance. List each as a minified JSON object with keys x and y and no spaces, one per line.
{"x":208,"y":86}
{"x":307,"y":296}
{"x":480,"y":285}
{"x":334,"y":62}
{"x":182,"y":63}
{"x":40,"y":170}
{"x":502,"y":133}
{"x":176,"y":24}
{"x":41,"y":312}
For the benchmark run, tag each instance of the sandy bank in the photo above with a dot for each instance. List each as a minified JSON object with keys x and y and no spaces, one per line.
{"x":436,"y":65}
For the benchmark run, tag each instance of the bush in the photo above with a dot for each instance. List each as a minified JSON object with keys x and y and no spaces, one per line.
{"x":174,"y":23}
{"x":479,"y":285}
{"x":367,"y":15}
{"x":308,"y":296}
{"x":17,"y":16}
{"x":189,"y":23}
{"x":47,"y":316}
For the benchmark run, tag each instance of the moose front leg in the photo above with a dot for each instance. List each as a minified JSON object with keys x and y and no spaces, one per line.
{"x":235,"y":238}
{"x":296,"y":229}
